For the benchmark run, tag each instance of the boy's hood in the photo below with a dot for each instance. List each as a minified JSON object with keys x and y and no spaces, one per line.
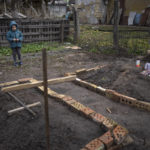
{"x":13,"y":23}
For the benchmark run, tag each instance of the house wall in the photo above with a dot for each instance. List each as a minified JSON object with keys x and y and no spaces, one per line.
{"x":94,"y":11}
{"x":135,"y":5}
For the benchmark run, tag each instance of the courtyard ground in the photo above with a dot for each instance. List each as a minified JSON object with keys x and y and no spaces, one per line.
{"x":69,"y":130}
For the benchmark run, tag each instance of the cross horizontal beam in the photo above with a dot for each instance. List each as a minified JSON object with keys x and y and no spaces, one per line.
{"x":38,"y":83}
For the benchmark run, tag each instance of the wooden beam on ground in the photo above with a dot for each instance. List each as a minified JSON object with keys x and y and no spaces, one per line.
{"x":10,"y":112}
{"x":8,"y":83}
{"x":38,"y":83}
{"x":24,"y":80}
{"x":21,"y":103}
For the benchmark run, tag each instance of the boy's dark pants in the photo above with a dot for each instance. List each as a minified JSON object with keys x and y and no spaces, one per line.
{"x":16,"y":52}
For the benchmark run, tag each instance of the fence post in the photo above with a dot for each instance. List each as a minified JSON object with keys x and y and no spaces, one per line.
{"x":62,"y":31}
{"x":76,"y":25}
{"x":115,"y":30}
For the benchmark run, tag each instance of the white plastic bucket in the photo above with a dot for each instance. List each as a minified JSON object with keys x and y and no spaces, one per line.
{"x":138,"y":63}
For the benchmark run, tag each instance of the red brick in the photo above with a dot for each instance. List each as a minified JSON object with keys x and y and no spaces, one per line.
{"x":120,"y":134}
{"x":57,"y":96}
{"x":106,"y":122}
{"x":112,"y":95}
{"x":98,"y":117}
{"x":109,"y":123}
{"x":68,"y":100}
{"x":107,"y":139}
{"x":87,"y":111}
{"x":78,"y":106}
{"x":96,"y":144}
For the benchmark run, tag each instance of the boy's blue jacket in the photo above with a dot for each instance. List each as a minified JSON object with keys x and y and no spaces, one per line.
{"x":14,"y":34}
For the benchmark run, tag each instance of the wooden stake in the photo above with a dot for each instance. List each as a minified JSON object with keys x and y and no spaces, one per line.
{"x":21,"y":103}
{"x":10,"y":112}
{"x":24,"y":80}
{"x":44,"y":56}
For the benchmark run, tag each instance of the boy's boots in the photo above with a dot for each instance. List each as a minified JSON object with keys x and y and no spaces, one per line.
{"x":20,"y":63}
{"x":15,"y":64}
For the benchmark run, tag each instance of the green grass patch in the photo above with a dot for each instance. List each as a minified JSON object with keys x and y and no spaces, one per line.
{"x":34,"y":48}
{"x":134,"y":43}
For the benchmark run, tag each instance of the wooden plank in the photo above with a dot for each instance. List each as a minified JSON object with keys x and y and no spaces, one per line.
{"x":24,"y":80}
{"x":21,"y":103}
{"x":8,"y":83}
{"x":22,"y":108}
{"x":38,"y":83}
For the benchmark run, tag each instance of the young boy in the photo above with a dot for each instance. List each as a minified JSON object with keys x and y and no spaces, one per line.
{"x":15,"y":38}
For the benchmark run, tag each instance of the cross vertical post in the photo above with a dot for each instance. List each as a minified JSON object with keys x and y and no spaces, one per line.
{"x":46,"y":109}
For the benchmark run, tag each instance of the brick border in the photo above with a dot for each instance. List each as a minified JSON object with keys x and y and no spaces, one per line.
{"x":113,"y":95}
{"x":115,"y":135}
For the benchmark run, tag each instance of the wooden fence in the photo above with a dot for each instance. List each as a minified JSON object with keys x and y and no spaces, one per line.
{"x":36,"y":30}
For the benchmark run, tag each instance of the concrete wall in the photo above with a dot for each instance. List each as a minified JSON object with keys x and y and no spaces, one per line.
{"x":91,"y":11}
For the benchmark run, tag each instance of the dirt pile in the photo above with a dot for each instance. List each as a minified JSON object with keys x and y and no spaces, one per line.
{"x":123,"y":78}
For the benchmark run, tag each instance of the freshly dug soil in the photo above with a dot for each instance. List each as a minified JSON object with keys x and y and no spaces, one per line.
{"x":122,"y":78}
{"x":22,"y":131}
{"x":69,"y":130}
{"x":136,"y":121}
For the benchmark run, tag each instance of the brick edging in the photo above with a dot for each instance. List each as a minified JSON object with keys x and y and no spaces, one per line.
{"x":115,"y":134}
{"x":113,"y":95}
{"x":110,"y":140}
